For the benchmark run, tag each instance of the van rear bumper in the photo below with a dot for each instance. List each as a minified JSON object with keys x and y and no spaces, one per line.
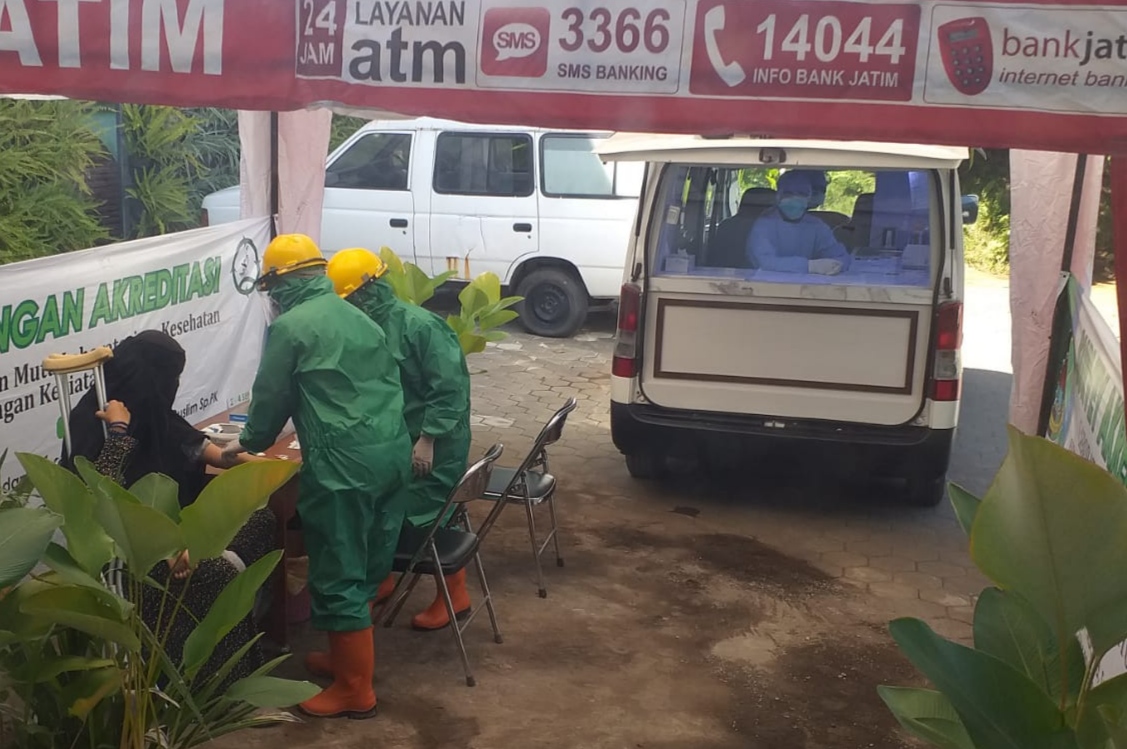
{"x":899,"y":451}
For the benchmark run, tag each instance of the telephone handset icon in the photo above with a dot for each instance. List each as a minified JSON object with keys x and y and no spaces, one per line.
{"x":732,"y":73}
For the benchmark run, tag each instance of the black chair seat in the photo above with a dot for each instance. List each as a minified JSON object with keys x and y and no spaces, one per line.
{"x":455,"y":550}
{"x":540,"y":485}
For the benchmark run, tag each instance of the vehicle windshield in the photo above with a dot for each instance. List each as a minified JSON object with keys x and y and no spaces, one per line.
{"x":796,"y":226}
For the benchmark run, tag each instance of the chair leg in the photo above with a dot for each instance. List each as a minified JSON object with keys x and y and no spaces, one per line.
{"x":555,"y":528}
{"x":457,"y":630}
{"x":488,"y":598}
{"x":528,"y":510}
{"x":396,"y":604}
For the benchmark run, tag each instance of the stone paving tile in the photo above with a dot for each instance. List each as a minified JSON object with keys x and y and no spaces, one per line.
{"x":903,"y":561}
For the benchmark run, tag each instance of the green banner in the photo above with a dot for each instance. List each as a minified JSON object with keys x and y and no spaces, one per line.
{"x":1087,"y":412}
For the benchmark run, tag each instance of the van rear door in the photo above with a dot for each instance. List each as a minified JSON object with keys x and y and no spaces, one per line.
{"x":735,"y":322}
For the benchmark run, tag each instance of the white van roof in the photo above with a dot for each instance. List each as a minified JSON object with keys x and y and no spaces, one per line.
{"x":695,"y":149}
{"x":432,"y":123}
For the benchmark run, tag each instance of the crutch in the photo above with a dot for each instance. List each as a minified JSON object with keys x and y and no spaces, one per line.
{"x":65,"y":365}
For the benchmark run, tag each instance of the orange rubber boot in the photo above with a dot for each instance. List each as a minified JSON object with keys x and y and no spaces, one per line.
{"x":435,"y":617}
{"x":386,"y":587}
{"x":353,"y":660}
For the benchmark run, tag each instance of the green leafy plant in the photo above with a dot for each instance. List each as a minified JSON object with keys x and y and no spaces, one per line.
{"x":1051,"y":534}
{"x":79,"y":667}
{"x":482,"y":311}
{"x":408,"y":281}
{"x":46,"y":148}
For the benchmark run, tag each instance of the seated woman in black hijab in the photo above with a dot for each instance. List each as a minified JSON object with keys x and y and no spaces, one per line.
{"x":147,"y":436}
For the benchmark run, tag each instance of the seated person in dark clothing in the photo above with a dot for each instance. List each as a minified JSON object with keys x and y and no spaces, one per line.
{"x":146,"y":436}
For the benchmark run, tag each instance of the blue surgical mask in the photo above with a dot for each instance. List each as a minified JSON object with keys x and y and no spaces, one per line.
{"x":792,"y":208}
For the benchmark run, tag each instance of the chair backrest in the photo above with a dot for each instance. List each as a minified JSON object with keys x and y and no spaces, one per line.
{"x":553,"y":430}
{"x":549,"y":435}
{"x":470,"y":487}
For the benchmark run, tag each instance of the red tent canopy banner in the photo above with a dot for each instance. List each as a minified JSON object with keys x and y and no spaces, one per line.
{"x":1050,"y":76}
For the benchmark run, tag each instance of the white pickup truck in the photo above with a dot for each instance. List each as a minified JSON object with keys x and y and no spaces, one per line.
{"x":537,"y":207}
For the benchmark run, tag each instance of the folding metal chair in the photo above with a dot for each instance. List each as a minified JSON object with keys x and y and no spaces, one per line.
{"x":442,"y":549}
{"x":531,"y":485}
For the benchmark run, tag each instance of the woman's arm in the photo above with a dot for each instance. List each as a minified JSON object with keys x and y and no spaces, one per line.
{"x":119,"y":446}
{"x":213,"y":456}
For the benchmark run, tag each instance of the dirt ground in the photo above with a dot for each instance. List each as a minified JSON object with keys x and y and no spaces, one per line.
{"x":658,"y":634}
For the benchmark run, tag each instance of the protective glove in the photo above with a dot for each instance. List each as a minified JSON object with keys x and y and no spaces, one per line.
{"x":825,"y":266}
{"x":422,"y":456}
{"x":231,"y":451}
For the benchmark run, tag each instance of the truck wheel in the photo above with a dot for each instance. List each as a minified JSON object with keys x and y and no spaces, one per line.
{"x":555,"y":303}
{"x":645,"y":465}
{"x":926,"y":492}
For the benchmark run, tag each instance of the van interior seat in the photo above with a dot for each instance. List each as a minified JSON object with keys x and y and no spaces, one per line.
{"x":833,"y":219}
{"x":728,"y":249}
{"x":857,"y":232}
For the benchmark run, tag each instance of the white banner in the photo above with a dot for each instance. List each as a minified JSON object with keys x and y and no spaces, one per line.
{"x":197,"y":286}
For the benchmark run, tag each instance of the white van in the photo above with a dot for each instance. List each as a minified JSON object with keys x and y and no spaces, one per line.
{"x":536,"y":207}
{"x":726,"y":338}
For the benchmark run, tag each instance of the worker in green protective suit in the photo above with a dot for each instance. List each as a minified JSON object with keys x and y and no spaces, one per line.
{"x":329,"y":368}
{"x":436,"y":393}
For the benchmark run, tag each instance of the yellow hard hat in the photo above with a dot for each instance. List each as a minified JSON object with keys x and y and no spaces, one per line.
{"x":350,"y":269}
{"x":287,"y":253}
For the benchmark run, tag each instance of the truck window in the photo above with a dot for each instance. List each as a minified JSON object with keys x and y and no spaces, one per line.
{"x":570,"y":168}
{"x":836,"y":227}
{"x":376,"y":161}
{"x":483,"y":164}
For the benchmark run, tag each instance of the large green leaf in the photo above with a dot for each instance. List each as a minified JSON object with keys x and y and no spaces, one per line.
{"x":143,"y":535}
{"x":1049,"y":524}
{"x":224,"y":506}
{"x":999,"y":707}
{"x":24,"y":535}
{"x":69,"y":572}
{"x":1007,"y":627}
{"x":1114,"y":726}
{"x":81,"y":609}
{"x":13,"y":619}
{"x":490,"y":286}
{"x":41,"y":671}
{"x":229,"y":608}
{"x":472,"y":299}
{"x":496,"y":319}
{"x":82,"y":694}
{"x":927,"y":714}
{"x":159,"y":492}
{"x":65,"y":493}
{"x":270,"y":691}
{"x":965,"y":504}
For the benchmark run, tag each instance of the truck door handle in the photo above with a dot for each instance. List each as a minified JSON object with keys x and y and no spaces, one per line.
{"x":522,"y":228}
{"x":398,"y":223}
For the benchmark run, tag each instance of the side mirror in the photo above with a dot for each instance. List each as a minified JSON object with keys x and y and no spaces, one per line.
{"x":970,"y":209}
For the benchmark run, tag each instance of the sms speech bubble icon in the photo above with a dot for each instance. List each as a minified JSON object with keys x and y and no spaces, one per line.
{"x":516,"y":40}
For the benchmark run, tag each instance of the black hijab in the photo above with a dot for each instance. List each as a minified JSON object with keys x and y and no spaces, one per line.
{"x":144,"y":374}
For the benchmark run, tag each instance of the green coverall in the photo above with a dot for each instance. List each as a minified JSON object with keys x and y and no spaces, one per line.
{"x":329,"y":368}
{"x":436,"y":392}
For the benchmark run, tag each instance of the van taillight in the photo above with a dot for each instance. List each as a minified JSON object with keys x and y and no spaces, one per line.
{"x":204,"y":218}
{"x":625,"y":362}
{"x":948,"y":340}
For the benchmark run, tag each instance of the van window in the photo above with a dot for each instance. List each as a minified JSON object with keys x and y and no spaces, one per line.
{"x":483,"y":164}
{"x":570,"y":168}
{"x":837,"y":227}
{"x":377,"y":161}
